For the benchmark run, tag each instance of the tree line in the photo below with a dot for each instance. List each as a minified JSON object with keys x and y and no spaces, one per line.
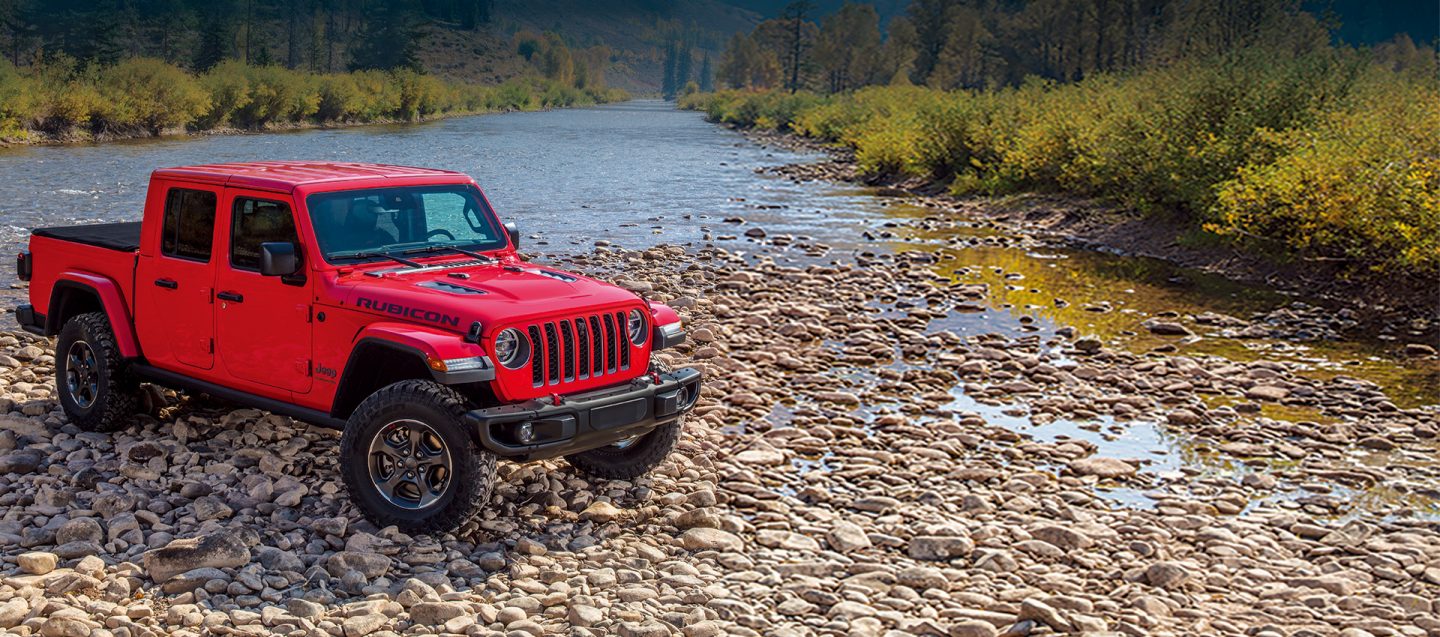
{"x":681,"y":78}
{"x":972,"y":44}
{"x":324,"y":36}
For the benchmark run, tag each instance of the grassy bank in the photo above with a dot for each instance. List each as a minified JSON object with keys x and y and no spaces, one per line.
{"x":141,"y":97}
{"x":1322,"y":158}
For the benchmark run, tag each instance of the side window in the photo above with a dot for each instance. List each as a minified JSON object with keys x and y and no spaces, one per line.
{"x":189,"y":226}
{"x":257,"y":221}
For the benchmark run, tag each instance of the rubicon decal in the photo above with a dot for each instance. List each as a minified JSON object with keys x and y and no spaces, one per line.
{"x":417,"y":313}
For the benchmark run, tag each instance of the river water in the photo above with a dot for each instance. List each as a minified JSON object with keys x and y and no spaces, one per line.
{"x":636,"y":174}
{"x":641,"y":173}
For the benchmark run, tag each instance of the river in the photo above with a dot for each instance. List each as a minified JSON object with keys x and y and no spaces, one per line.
{"x":642,"y":173}
{"x":636,"y":174}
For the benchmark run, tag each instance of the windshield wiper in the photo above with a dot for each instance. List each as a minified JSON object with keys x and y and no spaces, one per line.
{"x":440,"y":248}
{"x":370,"y":254}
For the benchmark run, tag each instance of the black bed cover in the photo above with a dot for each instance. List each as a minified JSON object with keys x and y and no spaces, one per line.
{"x":123,"y":236}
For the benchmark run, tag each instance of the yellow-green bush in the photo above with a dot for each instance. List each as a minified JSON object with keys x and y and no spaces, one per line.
{"x":1362,"y":186}
{"x":774,"y":110}
{"x":17,"y":101}
{"x":150,"y":94}
{"x":60,"y":96}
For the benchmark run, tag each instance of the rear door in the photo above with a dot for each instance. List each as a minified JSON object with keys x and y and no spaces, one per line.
{"x":174,"y":277}
{"x":263,"y":322}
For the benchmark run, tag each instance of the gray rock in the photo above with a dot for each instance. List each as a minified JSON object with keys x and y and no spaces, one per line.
{"x":20,"y":462}
{"x":13,"y":611}
{"x":217,"y":550}
{"x":79,"y":530}
{"x":193,"y":579}
{"x":971,"y":628}
{"x":368,"y":565}
{"x":1166,"y":575}
{"x":845,"y":537}
{"x":435,"y":613}
{"x":940,"y":547}
{"x":1107,"y":468}
{"x":1267,"y":392}
{"x":707,"y":539}
{"x":1062,"y":537}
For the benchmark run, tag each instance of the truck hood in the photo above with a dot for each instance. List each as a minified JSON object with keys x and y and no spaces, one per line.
{"x":494,"y":294}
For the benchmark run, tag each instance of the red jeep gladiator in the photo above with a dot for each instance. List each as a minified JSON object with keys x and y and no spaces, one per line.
{"x":385,"y":301}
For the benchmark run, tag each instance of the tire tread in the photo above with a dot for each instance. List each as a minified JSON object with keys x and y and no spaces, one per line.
{"x":118,"y":394}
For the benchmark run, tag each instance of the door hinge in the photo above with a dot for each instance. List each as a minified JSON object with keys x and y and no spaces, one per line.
{"x":207,"y":345}
{"x":302,"y":365}
{"x":307,"y":311}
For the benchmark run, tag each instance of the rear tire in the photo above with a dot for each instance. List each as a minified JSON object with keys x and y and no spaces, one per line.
{"x":622,"y":461}
{"x":95,"y":391}
{"x":407,"y":460}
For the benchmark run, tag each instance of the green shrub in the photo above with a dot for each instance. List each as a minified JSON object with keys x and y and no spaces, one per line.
{"x":1361,"y":186}
{"x":229,"y":88}
{"x":18,"y":107}
{"x":150,"y":94}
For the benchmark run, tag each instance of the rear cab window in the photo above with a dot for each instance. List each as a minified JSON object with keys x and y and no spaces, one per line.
{"x":188,"y":231}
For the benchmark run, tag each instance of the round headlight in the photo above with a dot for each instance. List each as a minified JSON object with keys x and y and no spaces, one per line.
{"x":636,"y":327}
{"x":511,"y":348}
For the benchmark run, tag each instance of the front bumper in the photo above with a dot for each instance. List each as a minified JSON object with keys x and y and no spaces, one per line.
{"x":581,"y":422}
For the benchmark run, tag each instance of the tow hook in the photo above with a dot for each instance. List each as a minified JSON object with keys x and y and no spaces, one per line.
{"x":555,"y":399}
{"x":655,"y":376}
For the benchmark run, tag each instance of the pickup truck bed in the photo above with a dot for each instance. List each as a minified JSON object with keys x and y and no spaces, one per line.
{"x":123,"y":236}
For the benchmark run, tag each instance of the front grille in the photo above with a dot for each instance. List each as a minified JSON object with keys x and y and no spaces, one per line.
{"x":580,"y":348}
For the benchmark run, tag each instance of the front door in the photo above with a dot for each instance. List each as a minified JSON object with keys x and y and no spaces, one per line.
{"x":263,"y":322}
{"x":174,"y":315}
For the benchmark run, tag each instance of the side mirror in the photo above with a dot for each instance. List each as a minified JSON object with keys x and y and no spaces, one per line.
{"x":514,"y":232}
{"x":279,"y":258}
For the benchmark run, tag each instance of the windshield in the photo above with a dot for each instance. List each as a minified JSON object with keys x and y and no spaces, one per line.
{"x":356,"y":225}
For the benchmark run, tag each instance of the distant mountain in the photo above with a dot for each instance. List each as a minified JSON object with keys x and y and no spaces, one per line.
{"x":636,"y":32}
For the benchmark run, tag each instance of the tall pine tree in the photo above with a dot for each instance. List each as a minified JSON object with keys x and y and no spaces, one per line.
{"x":707,"y":75}
{"x":214,"y":42}
{"x":667,"y":86}
{"x":682,"y":67}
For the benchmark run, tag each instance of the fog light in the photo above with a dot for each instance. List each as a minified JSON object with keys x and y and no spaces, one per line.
{"x":524,"y":433}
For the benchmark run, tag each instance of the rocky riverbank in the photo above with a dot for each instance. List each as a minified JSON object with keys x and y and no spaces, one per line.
{"x":850,"y":470}
{"x":1406,"y":309}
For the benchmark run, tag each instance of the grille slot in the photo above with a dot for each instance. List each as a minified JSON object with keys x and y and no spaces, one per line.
{"x":620,"y":320}
{"x":537,"y":369}
{"x":552,"y":355}
{"x":582,"y":346}
{"x":578,"y":348}
{"x":598,"y":346}
{"x":567,"y":344}
{"x":609,"y":344}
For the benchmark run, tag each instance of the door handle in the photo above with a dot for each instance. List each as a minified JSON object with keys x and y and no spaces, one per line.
{"x":168,"y":284}
{"x":233,"y":297}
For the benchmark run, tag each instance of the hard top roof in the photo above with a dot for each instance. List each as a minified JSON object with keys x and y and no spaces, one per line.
{"x":284,"y":176}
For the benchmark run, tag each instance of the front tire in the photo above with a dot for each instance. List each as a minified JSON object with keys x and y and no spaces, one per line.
{"x":95,"y":392}
{"x":407,"y":461}
{"x":631,"y":458}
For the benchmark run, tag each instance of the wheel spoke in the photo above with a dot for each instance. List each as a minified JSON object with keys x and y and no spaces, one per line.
{"x":428,"y":496}
{"x":397,"y":478}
